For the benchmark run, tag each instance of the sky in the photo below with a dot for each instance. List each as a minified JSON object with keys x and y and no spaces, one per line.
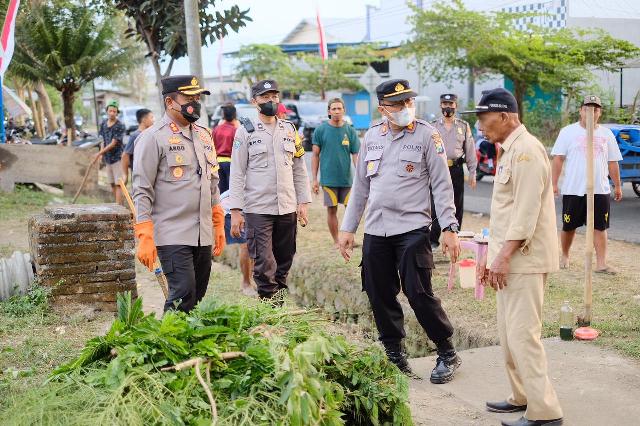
{"x":272,"y":21}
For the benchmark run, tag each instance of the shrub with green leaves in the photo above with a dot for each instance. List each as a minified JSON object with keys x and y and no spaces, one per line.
{"x":34,"y":301}
{"x":292,"y":373}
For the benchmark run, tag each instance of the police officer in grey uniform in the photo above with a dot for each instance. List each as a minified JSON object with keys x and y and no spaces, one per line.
{"x":460,"y":148}
{"x":399,"y":160}
{"x":269,"y":184}
{"x":175,"y":192}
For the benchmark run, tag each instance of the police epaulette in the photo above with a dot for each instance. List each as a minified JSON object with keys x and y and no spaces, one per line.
{"x":247,"y":124}
{"x":377,"y":123}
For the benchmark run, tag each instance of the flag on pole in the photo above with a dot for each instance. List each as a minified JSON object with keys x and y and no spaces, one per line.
{"x":324,"y":54}
{"x":220,"y":52}
{"x":7,"y":40}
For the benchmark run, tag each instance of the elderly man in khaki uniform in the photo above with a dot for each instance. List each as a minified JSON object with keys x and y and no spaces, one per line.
{"x":269,"y":189}
{"x":523,"y":249}
{"x":175,"y":191}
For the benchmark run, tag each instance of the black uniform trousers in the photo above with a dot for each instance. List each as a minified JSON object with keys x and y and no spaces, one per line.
{"x":457,"y":178}
{"x":187,"y":269}
{"x":402,"y":261}
{"x":271,"y":241}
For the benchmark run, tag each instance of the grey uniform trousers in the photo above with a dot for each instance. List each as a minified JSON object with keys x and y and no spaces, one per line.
{"x":271,"y":241}
{"x":187,"y":269}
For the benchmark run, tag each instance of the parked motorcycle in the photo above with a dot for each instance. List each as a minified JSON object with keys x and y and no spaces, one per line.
{"x":487,"y":159}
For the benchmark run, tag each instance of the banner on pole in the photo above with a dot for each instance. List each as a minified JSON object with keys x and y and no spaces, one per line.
{"x":7,"y":40}
{"x":324,"y":54}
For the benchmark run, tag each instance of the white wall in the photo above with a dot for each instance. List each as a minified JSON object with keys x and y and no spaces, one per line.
{"x":625,"y":29}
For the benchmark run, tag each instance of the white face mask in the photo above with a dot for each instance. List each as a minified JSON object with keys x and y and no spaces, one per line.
{"x":403,"y":117}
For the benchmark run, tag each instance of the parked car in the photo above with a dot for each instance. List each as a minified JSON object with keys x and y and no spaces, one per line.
{"x":242,"y":110}
{"x":307,"y":116}
{"x":128,"y":117}
{"x":628,"y":138}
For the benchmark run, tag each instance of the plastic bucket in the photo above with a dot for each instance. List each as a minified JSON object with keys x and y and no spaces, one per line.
{"x":467,"y":272}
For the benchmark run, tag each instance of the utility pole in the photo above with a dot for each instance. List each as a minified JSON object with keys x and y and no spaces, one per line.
{"x":194,"y":50}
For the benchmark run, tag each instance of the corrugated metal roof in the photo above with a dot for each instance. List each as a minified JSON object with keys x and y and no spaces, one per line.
{"x":336,"y":30}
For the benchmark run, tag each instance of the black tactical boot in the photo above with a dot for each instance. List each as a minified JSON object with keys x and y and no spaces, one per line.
{"x":398,"y":357}
{"x":446,"y":365}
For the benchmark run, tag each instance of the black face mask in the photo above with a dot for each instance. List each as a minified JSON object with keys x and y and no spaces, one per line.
{"x":191,"y":111}
{"x":268,"y":108}
{"x":448,"y":111}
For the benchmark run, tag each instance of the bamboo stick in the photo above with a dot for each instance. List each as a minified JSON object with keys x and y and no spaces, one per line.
{"x":162,"y":279}
{"x":588,"y":266}
{"x":84,"y":180}
{"x":226,"y":356}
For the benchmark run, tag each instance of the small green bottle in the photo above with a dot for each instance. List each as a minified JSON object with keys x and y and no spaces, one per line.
{"x":567,"y":321}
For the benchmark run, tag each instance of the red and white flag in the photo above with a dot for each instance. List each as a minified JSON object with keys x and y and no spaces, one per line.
{"x":220,"y":53}
{"x":7,"y":40}
{"x":324,"y":54}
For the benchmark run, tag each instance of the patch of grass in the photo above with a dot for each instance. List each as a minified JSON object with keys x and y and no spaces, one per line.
{"x":26,"y":199}
{"x":34,"y":343}
{"x":34,"y":302}
{"x":6,"y":250}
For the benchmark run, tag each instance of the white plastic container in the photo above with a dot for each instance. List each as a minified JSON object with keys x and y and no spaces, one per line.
{"x":467,"y":273}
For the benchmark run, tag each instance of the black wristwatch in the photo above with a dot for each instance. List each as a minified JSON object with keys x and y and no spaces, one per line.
{"x":452,"y":228}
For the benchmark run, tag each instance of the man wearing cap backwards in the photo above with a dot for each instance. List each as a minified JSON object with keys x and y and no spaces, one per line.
{"x":400,"y":159}
{"x":460,"y":148}
{"x":176,"y":195}
{"x":269,"y":184}
{"x":523,"y":249}
{"x":571,"y":146}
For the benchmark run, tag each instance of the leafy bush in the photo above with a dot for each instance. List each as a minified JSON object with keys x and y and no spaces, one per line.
{"x":35,"y":301}
{"x":543,"y":120}
{"x":290,"y":373}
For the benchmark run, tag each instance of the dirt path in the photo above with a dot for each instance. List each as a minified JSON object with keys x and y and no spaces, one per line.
{"x":595,"y":387}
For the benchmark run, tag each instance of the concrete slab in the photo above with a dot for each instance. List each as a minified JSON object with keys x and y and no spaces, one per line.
{"x":595,"y":387}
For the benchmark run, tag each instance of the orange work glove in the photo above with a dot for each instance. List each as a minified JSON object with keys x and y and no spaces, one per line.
{"x":217,"y":214}
{"x":146,"y":252}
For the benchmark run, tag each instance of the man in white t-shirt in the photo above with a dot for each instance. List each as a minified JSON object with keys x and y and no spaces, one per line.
{"x":571,"y":148}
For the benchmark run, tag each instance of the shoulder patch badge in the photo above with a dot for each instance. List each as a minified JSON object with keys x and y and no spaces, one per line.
{"x":237,"y":143}
{"x":437,"y":140}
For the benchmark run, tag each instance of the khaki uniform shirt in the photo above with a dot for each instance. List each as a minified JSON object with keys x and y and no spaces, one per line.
{"x":458,"y":142}
{"x":393,"y":176}
{"x":266,"y":175}
{"x":522,"y":206}
{"x":175,"y":182}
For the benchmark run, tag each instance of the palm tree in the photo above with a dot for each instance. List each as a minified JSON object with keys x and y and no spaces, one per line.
{"x":66,"y":46}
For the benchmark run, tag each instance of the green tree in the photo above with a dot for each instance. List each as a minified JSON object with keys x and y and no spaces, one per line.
{"x":450,"y":39}
{"x":338,"y":72}
{"x":261,"y":61}
{"x":66,"y":46}
{"x":160,"y":25}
